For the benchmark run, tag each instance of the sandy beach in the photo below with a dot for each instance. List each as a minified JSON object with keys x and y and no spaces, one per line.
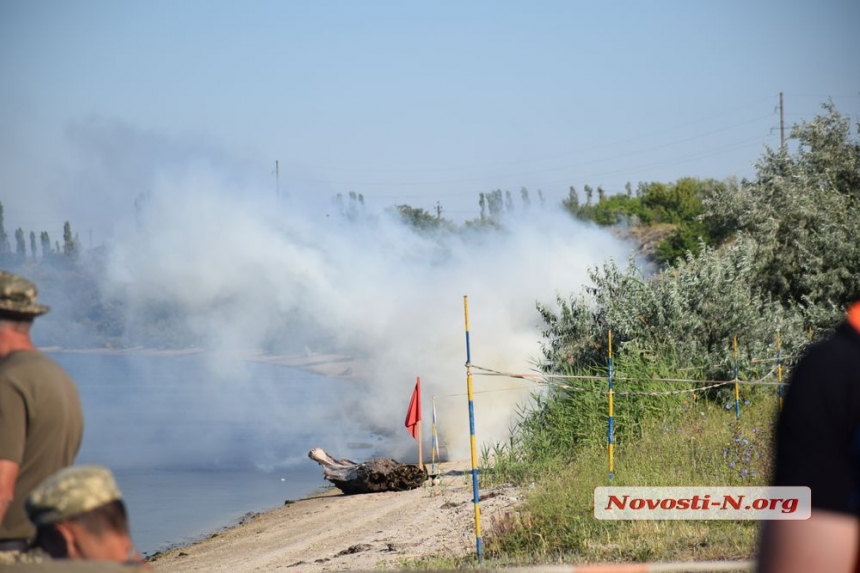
{"x":335,"y":532}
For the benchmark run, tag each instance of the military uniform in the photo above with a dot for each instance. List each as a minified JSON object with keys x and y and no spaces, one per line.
{"x":41,"y":420}
{"x":71,"y":492}
{"x":31,"y":556}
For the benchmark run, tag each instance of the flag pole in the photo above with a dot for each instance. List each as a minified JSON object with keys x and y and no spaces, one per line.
{"x":420,"y":454}
{"x":413,"y":419}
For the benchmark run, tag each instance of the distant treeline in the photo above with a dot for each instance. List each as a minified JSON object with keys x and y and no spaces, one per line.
{"x":69,"y":250}
{"x":675,"y":208}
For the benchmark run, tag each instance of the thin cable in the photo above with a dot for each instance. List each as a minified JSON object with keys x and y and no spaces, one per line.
{"x":541,"y":376}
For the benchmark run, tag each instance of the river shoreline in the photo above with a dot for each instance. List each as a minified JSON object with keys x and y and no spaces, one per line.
{"x":330,"y":365}
{"x":335,"y":532}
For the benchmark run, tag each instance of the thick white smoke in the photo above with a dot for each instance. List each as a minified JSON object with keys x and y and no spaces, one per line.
{"x":245,"y":271}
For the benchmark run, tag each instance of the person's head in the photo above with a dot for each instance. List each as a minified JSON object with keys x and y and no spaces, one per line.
{"x":79,"y":514}
{"x":18,"y":308}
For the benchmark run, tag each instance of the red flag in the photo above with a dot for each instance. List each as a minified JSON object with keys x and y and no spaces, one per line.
{"x":413,"y":415}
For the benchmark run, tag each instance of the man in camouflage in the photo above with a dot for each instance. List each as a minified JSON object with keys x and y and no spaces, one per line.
{"x":41,"y":422}
{"x":79,"y":514}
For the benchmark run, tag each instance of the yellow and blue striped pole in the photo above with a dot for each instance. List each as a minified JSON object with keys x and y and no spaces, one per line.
{"x":478,"y":544}
{"x":434,"y":444}
{"x":778,"y":370}
{"x":611,"y":436}
{"x":737,"y":386}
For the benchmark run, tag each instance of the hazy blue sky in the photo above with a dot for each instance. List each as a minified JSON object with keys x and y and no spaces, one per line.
{"x":404,"y":102}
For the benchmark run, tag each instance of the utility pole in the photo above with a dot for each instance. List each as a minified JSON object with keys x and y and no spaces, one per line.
{"x":438,"y":210}
{"x":781,"y":126}
{"x":278,"y":183}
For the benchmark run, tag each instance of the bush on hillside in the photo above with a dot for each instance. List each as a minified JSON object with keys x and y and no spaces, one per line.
{"x":690,"y":313}
{"x":803,"y":210}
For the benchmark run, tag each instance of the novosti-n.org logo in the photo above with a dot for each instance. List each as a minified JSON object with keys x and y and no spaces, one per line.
{"x":791,"y":503}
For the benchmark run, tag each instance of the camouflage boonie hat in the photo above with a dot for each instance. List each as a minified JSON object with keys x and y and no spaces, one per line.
{"x":18,"y":296}
{"x":70,"y":492}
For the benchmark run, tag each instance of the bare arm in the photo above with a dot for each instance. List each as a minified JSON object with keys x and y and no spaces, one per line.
{"x":8,"y":477}
{"x":827,"y":541}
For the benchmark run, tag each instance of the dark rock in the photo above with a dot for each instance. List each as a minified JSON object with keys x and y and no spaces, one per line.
{"x":355,"y":549}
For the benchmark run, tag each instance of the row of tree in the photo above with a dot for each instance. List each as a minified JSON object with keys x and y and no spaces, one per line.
{"x":69,"y":250}
{"x":494,"y":207}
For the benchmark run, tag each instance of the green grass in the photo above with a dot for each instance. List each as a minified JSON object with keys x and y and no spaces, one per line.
{"x":675,"y":441}
{"x":439,"y":563}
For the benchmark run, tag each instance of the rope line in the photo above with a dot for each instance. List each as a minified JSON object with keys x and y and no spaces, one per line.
{"x":643,"y":393}
{"x":541,"y":378}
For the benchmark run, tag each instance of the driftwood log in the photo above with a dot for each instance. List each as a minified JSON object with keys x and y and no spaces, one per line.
{"x":374,"y":475}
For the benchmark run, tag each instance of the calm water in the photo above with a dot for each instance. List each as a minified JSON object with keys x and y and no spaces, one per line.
{"x":196,"y":444}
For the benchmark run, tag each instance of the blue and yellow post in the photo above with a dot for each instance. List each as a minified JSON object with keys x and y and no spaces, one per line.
{"x":737,"y":385}
{"x":475,"y":499}
{"x":778,"y":371}
{"x":611,"y":436}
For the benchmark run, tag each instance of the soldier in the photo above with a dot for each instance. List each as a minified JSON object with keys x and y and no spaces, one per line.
{"x":79,"y":514}
{"x":41,"y":422}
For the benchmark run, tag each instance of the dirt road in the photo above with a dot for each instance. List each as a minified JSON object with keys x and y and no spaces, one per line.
{"x":334,"y":532}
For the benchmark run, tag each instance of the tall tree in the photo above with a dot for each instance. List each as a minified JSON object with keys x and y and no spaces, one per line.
{"x":629,"y":189}
{"x":20,"y":245}
{"x":601,"y":194}
{"x":589,"y":192}
{"x":524,"y":194}
{"x":803,"y":212}
{"x":70,"y":247}
{"x":33,"y":244}
{"x":572,"y":202}
{"x":4,"y":238}
{"x":495,"y":204}
{"x":46,"y":244}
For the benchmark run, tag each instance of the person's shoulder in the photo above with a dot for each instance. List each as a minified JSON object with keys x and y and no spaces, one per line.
{"x":843,"y":345}
{"x":26,"y":366}
{"x":18,"y":358}
{"x":23,"y":360}
{"x":834,"y":361}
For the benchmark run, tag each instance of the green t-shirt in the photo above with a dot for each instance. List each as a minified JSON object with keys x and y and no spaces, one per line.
{"x":41,"y":425}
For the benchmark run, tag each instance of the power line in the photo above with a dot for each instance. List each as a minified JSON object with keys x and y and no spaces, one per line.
{"x":547,"y":170}
{"x":574,"y":152}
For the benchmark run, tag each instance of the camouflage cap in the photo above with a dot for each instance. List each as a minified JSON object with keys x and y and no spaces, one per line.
{"x":18,"y":296}
{"x":70,"y":492}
